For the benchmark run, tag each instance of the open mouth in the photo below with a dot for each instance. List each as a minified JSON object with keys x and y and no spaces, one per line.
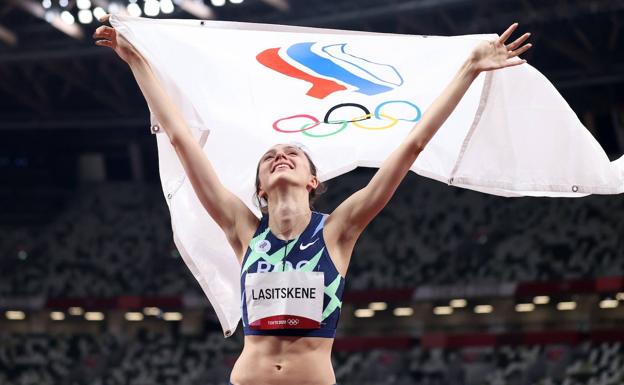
{"x":281,"y":166}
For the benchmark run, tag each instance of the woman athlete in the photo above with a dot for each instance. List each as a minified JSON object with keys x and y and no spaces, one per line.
{"x":291,"y":233}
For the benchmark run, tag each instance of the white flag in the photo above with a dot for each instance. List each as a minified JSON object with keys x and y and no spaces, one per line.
{"x":350,"y":98}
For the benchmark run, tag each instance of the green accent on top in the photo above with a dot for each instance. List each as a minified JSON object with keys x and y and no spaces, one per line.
{"x":253,"y":256}
{"x":334,"y":302}
{"x":273,"y":259}
{"x":312,"y":262}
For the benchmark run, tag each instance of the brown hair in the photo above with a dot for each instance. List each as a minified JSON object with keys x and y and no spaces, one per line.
{"x":263,"y":205}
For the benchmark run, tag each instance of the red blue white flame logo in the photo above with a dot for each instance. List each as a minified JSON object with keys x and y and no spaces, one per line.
{"x":336,"y":71}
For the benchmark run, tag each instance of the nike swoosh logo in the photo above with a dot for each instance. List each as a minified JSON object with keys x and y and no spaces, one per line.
{"x":303,"y":247}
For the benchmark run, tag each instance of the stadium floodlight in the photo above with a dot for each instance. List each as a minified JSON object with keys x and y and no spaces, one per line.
{"x":94,"y":316}
{"x":403,"y":311}
{"x":541,"y":300}
{"x":217,"y":3}
{"x":63,"y":3}
{"x":378,"y":306}
{"x":172,"y":316}
{"x":134,"y":9}
{"x":83,"y":4}
{"x":46,"y":4}
{"x":236,"y":1}
{"x":152,"y":311}
{"x":525,"y":307}
{"x":458,"y":303}
{"x":364,"y":313}
{"x":57,"y":316}
{"x":114,"y":7}
{"x":85,"y":16}
{"x":15,"y":315}
{"x":134,"y":316}
{"x":166,"y":6}
{"x":196,"y":8}
{"x":67,"y":17}
{"x":75,"y":310}
{"x":566,"y":305}
{"x":442,"y":310}
{"x":51,"y":16}
{"x":483,"y":309}
{"x":609,"y":303}
{"x":98,"y":12}
{"x":151,"y":7}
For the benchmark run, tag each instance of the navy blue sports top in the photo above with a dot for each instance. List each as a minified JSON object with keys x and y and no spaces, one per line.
{"x":281,"y":255}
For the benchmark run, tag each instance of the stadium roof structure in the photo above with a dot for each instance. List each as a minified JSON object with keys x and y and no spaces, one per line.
{"x":54,"y":77}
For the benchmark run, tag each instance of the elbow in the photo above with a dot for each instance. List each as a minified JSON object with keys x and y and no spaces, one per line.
{"x":178,"y":133}
{"x":173,"y":140}
{"x":418,"y":146}
{"x":417,"y":141}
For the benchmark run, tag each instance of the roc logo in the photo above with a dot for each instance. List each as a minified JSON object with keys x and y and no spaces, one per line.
{"x":263,"y":246}
{"x":330,"y":69}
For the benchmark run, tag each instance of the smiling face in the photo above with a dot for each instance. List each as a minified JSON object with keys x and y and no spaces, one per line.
{"x":285,"y":164}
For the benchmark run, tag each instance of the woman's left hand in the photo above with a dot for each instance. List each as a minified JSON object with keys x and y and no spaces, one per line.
{"x":494,"y":54}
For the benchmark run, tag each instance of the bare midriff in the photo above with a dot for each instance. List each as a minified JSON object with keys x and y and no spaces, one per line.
{"x":277,"y":360}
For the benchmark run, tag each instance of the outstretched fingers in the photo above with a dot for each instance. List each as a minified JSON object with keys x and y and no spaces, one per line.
{"x":518,"y":41}
{"x":503,"y":38}
{"x":511,"y":63}
{"x":520,"y":50}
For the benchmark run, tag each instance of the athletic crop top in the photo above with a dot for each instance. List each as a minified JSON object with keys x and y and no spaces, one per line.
{"x":267,"y":253}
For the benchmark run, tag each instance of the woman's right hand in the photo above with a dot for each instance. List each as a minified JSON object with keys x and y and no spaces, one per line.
{"x":110,"y":38}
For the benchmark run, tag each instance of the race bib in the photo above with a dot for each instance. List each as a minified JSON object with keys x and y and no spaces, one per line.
{"x":285,"y":300}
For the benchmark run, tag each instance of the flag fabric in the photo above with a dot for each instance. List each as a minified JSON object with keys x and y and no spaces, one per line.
{"x":350,"y":97}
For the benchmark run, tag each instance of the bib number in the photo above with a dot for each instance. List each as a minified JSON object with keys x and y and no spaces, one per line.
{"x":284,"y":300}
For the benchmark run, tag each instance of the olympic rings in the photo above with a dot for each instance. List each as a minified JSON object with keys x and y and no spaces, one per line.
{"x":418,"y":114}
{"x":377,"y":114}
{"x":337,"y":106}
{"x":394,"y":122}
{"x":308,"y":126}
{"x":305,"y":131}
{"x":315,"y":120}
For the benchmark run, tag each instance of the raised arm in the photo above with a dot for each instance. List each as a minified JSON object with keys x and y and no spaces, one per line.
{"x":227,"y":210}
{"x":351,"y":217}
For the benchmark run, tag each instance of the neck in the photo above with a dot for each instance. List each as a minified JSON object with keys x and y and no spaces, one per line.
{"x":289,"y":211}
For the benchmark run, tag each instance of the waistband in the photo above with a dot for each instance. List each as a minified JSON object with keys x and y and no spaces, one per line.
{"x":325,"y":333}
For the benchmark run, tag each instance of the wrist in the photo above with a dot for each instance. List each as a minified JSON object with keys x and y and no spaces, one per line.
{"x":470,"y":67}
